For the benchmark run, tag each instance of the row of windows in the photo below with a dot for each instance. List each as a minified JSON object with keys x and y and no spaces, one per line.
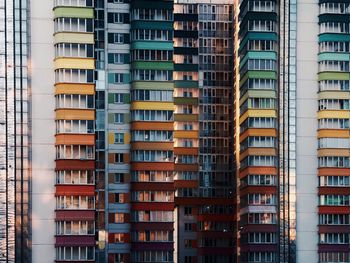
{"x":152,"y":156}
{"x":260,"y":238}
{"x":152,"y":176}
{"x":334,"y":46}
{"x":75,"y":228}
{"x":186,"y":159}
{"x":75,"y":101}
{"x":152,"y":256}
{"x":335,"y":8}
{"x":264,"y":257}
{"x":334,"y":181}
{"x":259,"y":161}
{"x":186,"y":175}
{"x":74,"y":126}
{"x":334,"y":161}
{"x":152,"y":115}
{"x":334,"y":257}
{"x":83,"y":152}
{"x":258,"y":141}
{"x":259,"y":179}
{"x":260,"y":218}
{"x":118,"y":38}
{"x":334,"y":238}
{"x":260,"y":64}
{"x":333,"y":104}
{"x":152,"y":196}
{"x":334,"y":65}
{"x":261,"y":6}
{"x":152,"y":216}
{"x":259,"y":122}
{"x":259,"y":199}
{"x":334,"y":27}
{"x":152,"y":34}
{"x":75,"y":202}
{"x":334,"y":85}
{"x":75,"y":177}
{"x":216,"y":209}
{"x":152,"y":95}
{"x":152,"y":14}
{"x":262,"y":25}
{"x":152,"y":135}
{"x":74,"y":50}
{"x":186,"y":25}
{"x":261,"y":45}
{"x":215,"y":226}
{"x":82,"y":3}
{"x":73,"y":25}
{"x":335,"y":200}
{"x":74,"y":76}
{"x":333,"y":124}
{"x":152,"y":236}
{"x":259,"y":103}
{"x":152,"y":55}
{"x":75,"y":253}
{"x":152,"y":75}
{"x":334,"y":219}
{"x":334,"y":143}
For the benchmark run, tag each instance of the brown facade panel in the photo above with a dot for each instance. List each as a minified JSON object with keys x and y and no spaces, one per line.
{"x":75,"y":165}
{"x":149,"y":125}
{"x":75,"y":139}
{"x":165,"y":146}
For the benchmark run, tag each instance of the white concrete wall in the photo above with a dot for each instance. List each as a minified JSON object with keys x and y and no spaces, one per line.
{"x":43,"y":131}
{"x":307,"y":85}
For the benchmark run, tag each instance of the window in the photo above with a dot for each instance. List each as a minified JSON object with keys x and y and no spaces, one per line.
{"x":119,"y":158}
{"x":188,"y":227}
{"x":119,"y":198}
{"x":118,"y":18}
{"x":187,"y":210}
{"x":118,"y":177}
{"x":118,"y":118}
{"x":119,"y":237}
{"x":118,"y":138}
{"x":188,"y":243}
{"x":118,"y":38}
{"x":118,"y":97}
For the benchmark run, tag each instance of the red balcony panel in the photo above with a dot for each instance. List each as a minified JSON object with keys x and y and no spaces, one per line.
{"x":153,"y":246}
{"x":152,"y":226}
{"x":333,"y":229}
{"x":204,"y":201}
{"x":333,"y":190}
{"x":257,"y":170}
{"x":229,"y":217}
{"x":75,"y":165}
{"x":214,"y":234}
{"x":64,"y":215}
{"x":186,"y":167}
{"x":156,"y":206}
{"x":334,"y":171}
{"x":186,"y":150}
{"x":258,"y":247}
{"x":88,"y":190}
{"x":259,"y":228}
{"x":67,"y":241}
{"x":333,"y":248}
{"x":186,"y":184}
{"x":259,"y":190}
{"x":144,"y":186}
{"x":151,"y":166}
{"x":70,"y":261}
{"x":334,"y":209}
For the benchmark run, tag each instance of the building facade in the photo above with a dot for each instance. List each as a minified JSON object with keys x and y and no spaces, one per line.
{"x":175,"y":131}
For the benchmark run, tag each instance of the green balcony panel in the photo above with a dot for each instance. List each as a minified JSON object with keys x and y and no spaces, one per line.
{"x":186,"y":84}
{"x":334,"y":37}
{"x":333,"y":76}
{"x":334,"y":56}
{"x":186,"y":101}
{"x":258,"y":75}
{"x":152,"y":85}
{"x":164,"y":25}
{"x":152,"y":45}
{"x":155,"y":65}
{"x":76,"y":12}
{"x":185,"y":117}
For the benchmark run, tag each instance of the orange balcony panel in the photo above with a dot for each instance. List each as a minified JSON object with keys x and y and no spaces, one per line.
{"x":333,"y":190}
{"x":186,"y":184}
{"x":75,"y":114}
{"x":258,"y":190}
{"x":75,"y":139}
{"x":156,"y":206}
{"x":334,"y":209}
{"x":333,"y":171}
{"x":88,"y":190}
{"x":333,"y":152}
{"x":258,"y":170}
{"x":165,"y":146}
{"x":258,"y":151}
{"x":186,"y":167}
{"x":148,"y":166}
{"x":75,"y":165}
{"x":75,"y":88}
{"x":258,"y":132}
{"x":333,"y":133}
{"x":150,"y":125}
{"x":186,"y":150}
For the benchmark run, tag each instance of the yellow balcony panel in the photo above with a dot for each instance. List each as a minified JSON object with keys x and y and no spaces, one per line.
{"x":333,"y":152}
{"x":69,"y":37}
{"x":186,"y":134}
{"x":258,"y":151}
{"x":328,"y":133}
{"x":75,"y":88}
{"x":337,"y":114}
{"x":111,"y":138}
{"x":75,"y":114}
{"x":258,"y":132}
{"x":74,"y":63}
{"x":257,"y":113}
{"x":334,"y":95}
{"x":150,"y":105}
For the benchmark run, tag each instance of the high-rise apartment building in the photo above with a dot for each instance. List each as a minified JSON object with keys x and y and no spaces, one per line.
{"x":175,"y":131}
